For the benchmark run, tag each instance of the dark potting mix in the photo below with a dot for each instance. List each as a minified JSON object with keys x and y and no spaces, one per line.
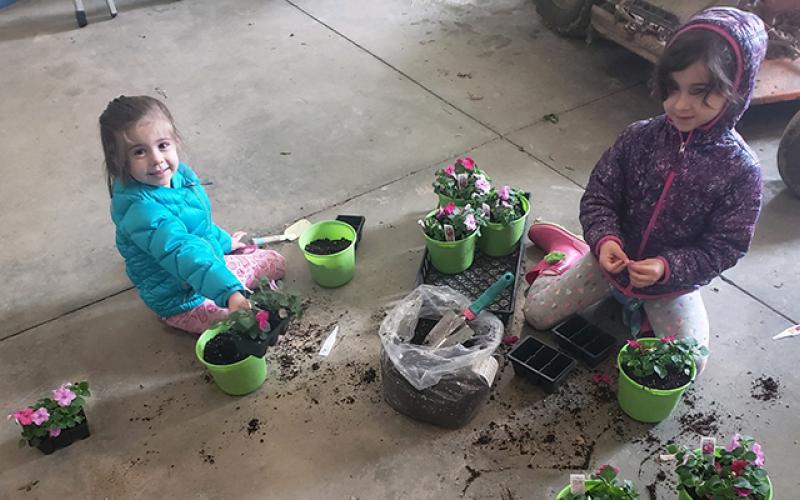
{"x":327,"y":246}
{"x":673,"y":380}
{"x":223,"y":350}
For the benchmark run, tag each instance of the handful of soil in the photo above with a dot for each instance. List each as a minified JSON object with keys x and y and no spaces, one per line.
{"x":223,"y":350}
{"x":673,"y":380}
{"x":327,"y":246}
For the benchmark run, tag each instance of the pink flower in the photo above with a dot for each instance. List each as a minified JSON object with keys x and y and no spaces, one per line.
{"x":273,"y":285}
{"x":450,"y":170}
{"x":263,"y":319}
{"x":450,"y":208}
{"x":668,"y":339}
{"x":505,"y":204}
{"x":40,"y":416}
{"x":735,"y":443}
{"x":63,"y":395}
{"x":759,"y":461}
{"x":510,"y":340}
{"x":482,"y":184}
{"x":468,"y":163}
{"x":634,"y":344}
{"x":504,"y":193}
{"x":487,"y":210}
{"x":718,"y":467}
{"x":23,"y":417}
{"x":737,"y":466}
{"x":603,"y":467}
{"x":55,"y":432}
{"x":742,"y":492}
{"x":601,"y":378}
{"x":469,"y":222}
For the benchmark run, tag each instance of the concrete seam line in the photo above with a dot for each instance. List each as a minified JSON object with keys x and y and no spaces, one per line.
{"x":759,"y":300}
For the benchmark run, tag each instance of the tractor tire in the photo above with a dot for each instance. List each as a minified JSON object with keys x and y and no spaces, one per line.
{"x":566,"y":17}
{"x":789,"y":156}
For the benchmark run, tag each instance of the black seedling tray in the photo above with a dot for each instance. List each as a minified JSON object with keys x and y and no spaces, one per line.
{"x":585,"y":340}
{"x":357,"y":221}
{"x":541,"y":364}
{"x":48,"y":444}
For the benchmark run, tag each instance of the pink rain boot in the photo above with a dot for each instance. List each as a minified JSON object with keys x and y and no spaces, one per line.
{"x":563,"y":249}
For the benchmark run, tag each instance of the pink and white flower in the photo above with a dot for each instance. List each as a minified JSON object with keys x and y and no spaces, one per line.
{"x":63,"y":395}
{"x":469,"y":222}
{"x":40,"y":416}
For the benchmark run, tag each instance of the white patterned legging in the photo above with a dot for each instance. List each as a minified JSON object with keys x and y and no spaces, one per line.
{"x":552,"y":299}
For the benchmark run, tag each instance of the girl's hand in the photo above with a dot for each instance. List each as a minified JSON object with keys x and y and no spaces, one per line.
{"x":237,"y":301}
{"x":645,"y":272}
{"x":612,"y":258}
{"x":236,"y":240}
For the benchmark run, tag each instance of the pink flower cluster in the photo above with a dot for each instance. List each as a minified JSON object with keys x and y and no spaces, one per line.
{"x":448,"y":209}
{"x":29,"y":416}
{"x":263,"y":319}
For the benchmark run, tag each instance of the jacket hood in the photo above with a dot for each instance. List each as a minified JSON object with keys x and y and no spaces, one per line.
{"x":748,"y":37}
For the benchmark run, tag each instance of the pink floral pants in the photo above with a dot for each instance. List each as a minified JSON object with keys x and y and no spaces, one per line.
{"x":248,"y":268}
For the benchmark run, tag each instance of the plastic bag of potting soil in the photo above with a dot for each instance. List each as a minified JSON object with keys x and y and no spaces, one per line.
{"x":423,"y":366}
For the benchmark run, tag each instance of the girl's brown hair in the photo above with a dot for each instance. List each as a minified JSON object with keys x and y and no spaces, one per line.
{"x":121,"y":114}
{"x":698,"y":45}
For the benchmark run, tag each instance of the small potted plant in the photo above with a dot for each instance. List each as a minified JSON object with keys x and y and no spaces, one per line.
{"x":506,"y":210}
{"x":734,"y":472}
{"x":461,"y":183}
{"x":54,"y":423}
{"x":602,"y":485}
{"x":654,"y":373}
{"x":234,"y":349}
{"x":450,"y":234}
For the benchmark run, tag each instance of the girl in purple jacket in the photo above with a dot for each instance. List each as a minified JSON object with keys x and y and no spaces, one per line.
{"x":674,"y":202}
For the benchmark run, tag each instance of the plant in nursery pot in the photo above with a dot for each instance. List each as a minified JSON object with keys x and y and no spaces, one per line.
{"x":602,"y":485}
{"x":506,"y":210}
{"x":461,"y":183}
{"x":654,"y":373}
{"x":53,"y":423}
{"x":734,"y":472}
{"x":450,"y":233}
{"x":281,"y":304}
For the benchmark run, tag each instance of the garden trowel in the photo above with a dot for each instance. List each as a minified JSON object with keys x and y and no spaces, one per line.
{"x":453,"y":329}
{"x":291,"y":233}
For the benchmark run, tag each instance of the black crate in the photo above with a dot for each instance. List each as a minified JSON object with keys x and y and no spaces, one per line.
{"x":583,"y":339}
{"x":48,"y":444}
{"x":541,"y":364}
{"x":357,"y":221}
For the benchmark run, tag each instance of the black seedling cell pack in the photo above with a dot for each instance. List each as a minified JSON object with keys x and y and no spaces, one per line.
{"x":581,"y":338}
{"x":541,"y":364}
{"x":357,"y":221}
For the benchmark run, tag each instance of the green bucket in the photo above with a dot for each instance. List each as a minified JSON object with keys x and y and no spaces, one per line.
{"x":591,"y":483}
{"x":498,"y":240}
{"x":682,"y":495}
{"x":444,"y":200}
{"x":242,"y":377}
{"x":451,"y":257}
{"x":336,"y":269}
{"x":643,"y":403}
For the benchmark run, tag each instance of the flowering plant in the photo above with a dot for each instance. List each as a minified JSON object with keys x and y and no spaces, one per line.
{"x":49,"y":416}
{"x":734,"y":472}
{"x":452,"y":223}
{"x":270,"y":297}
{"x":660,"y":358}
{"x":608,"y":487}
{"x":503,"y":206}
{"x":462,"y":180}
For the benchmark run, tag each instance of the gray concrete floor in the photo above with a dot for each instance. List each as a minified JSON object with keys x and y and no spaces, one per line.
{"x":310,"y":109}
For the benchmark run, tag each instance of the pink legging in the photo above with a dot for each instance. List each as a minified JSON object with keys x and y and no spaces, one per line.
{"x":248,"y":268}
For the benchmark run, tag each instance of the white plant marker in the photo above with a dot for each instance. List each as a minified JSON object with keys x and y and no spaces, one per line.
{"x":792,"y":331}
{"x":577,"y":484}
{"x":329,"y":342}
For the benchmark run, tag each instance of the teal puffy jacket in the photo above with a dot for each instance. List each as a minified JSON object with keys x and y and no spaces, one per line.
{"x":173,"y":251}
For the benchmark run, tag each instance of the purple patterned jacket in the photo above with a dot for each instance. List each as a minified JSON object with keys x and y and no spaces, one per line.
{"x":691,"y":200}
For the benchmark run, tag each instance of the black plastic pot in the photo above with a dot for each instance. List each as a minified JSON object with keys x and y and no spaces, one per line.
{"x":591,"y":344}
{"x":68,"y":436}
{"x":357,"y":221}
{"x":541,"y":364}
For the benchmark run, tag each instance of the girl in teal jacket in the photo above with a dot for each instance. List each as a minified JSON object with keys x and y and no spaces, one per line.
{"x":179,"y":260}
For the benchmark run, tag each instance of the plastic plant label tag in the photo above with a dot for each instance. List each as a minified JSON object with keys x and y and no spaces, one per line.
{"x":577,"y":484}
{"x":329,"y":342}
{"x":449,"y":233}
{"x":487,"y":369}
{"x":708,"y":445}
{"x":462,"y":180}
{"x":666,"y":458}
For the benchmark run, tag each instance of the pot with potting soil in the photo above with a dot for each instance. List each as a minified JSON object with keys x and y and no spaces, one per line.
{"x":54,"y":423}
{"x":234,"y":349}
{"x":733,"y":472}
{"x":329,"y":248}
{"x":461,"y":183}
{"x":654,"y":373}
{"x":602,"y":485}
{"x":506,"y":210}
{"x":450,"y":234}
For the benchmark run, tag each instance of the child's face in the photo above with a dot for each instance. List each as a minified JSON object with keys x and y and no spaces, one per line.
{"x":150,"y":151}
{"x":687,"y":105}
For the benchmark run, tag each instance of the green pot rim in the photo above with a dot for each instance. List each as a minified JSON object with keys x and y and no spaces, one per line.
{"x":199,"y":352}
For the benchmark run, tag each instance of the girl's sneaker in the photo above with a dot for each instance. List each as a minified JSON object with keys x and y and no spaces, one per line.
{"x":563,"y":249}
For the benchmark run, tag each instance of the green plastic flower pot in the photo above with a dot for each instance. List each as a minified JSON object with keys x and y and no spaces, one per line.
{"x":682,"y":495}
{"x":444,"y":200}
{"x":498,"y":240}
{"x":242,"y":377}
{"x":336,"y":269}
{"x":643,"y":403}
{"x":591,"y":483}
{"x":451,"y":257}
